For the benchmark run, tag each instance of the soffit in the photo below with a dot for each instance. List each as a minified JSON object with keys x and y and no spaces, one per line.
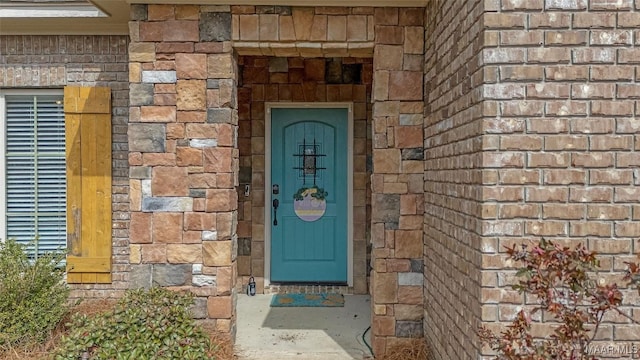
{"x":115,"y":23}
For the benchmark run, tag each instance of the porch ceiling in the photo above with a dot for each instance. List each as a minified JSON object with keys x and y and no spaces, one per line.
{"x":116,"y":23}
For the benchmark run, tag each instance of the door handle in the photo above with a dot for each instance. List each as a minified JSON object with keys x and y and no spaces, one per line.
{"x":275,"y":204}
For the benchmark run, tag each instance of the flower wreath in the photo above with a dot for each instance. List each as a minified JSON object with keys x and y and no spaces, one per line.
{"x":315,"y":192}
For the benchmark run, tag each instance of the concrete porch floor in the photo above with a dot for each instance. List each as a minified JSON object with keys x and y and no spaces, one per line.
{"x":312,"y":333}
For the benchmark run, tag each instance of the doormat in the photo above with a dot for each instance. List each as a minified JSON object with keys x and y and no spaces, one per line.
{"x":308,"y":300}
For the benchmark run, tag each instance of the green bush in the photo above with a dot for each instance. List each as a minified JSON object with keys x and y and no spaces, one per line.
{"x":145,"y":324}
{"x":33,"y":295}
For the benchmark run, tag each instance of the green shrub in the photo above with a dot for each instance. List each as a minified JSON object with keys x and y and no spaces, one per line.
{"x":145,"y":324}
{"x":33,"y":295}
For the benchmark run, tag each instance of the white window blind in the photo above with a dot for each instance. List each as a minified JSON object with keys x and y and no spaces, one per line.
{"x":34,"y":171}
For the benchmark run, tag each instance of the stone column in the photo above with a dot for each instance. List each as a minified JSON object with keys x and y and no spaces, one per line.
{"x":183,"y":155}
{"x":397,"y":181}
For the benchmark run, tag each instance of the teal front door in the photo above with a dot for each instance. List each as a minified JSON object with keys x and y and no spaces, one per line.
{"x":309,"y":195}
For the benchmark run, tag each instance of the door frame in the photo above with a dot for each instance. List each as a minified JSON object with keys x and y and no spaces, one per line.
{"x":267,"y":180}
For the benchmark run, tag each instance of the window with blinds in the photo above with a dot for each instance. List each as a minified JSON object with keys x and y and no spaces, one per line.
{"x":34,"y":171}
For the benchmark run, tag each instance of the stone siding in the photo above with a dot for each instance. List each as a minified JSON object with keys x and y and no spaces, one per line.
{"x":286,"y":31}
{"x":395,"y":39}
{"x":398,"y":177}
{"x":183,"y":155}
{"x":52,"y":62}
{"x":487,"y":124}
{"x":274,"y":79}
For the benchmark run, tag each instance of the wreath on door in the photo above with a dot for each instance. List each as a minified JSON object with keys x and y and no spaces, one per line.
{"x":310,"y":203}
{"x":313,"y":191}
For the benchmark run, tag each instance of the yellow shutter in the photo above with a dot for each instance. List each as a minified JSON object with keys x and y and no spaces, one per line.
{"x":88,"y":146}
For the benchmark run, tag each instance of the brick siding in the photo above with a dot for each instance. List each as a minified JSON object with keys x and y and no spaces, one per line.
{"x":51,"y":62}
{"x":561,"y":151}
{"x":453,"y":179}
{"x":529,"y":130}
{"x":542,"y":96}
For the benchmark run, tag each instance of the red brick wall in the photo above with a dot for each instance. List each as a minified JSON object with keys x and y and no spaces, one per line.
{"x":561,"y":149}
{"x":32,"y":62}
{"x":453,"y":179}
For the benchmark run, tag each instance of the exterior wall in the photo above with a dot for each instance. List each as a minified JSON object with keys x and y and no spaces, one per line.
{"x":561,"y":153}
{"x":453,"y":178}
{"x":398,"y":177}
{"x":526,"y":129}
{"x":183,"y":155}
{"x":52,"y":62}
{"x":182,"y":145}
{"x":271,"y":79}
{"x":541,"y":100}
